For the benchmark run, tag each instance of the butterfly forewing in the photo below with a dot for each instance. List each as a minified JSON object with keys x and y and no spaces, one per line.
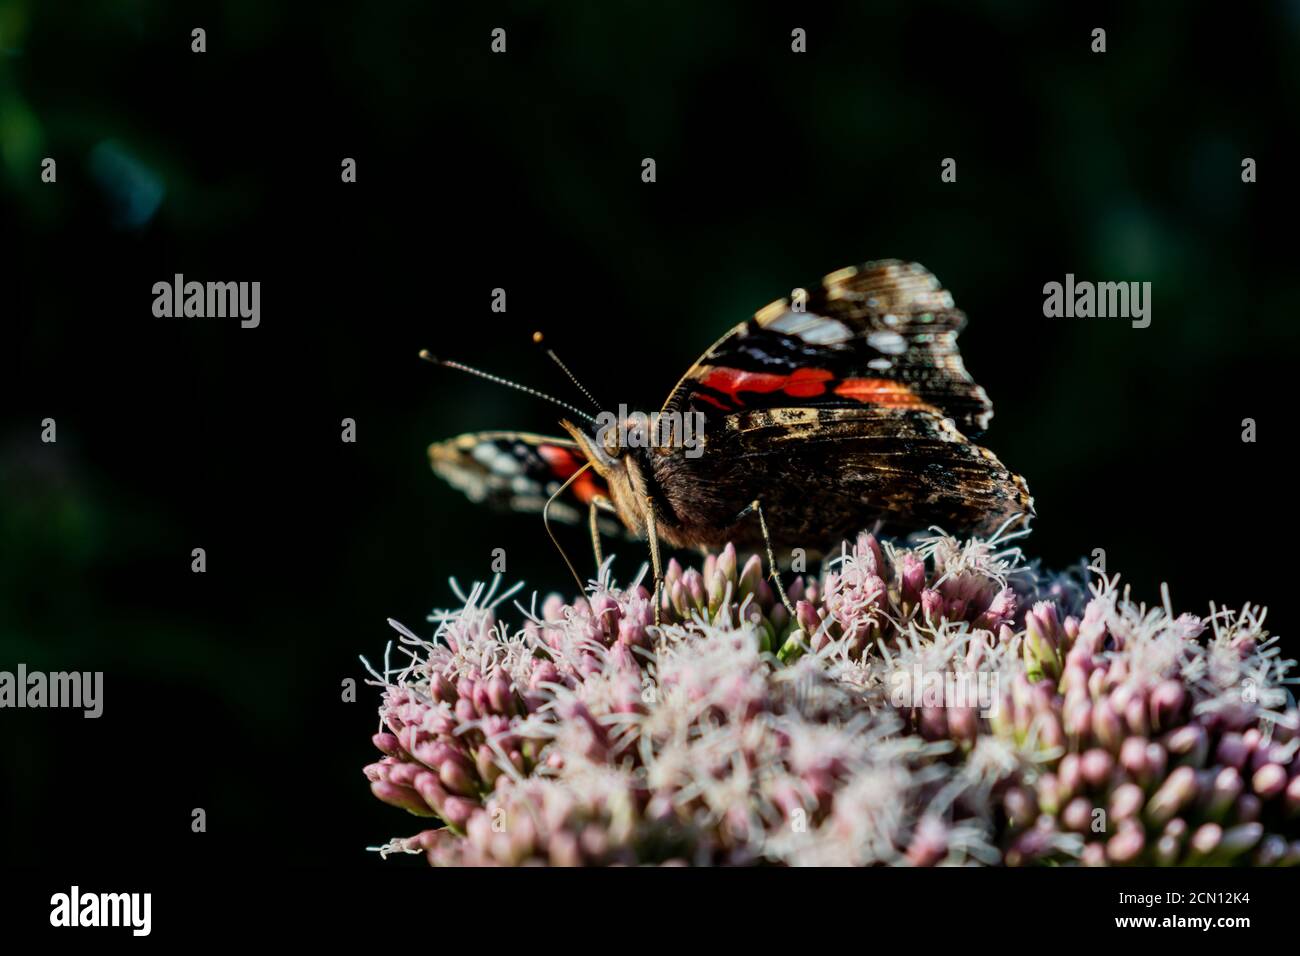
{"x":518,"y":471}
{"x":883,"y":332}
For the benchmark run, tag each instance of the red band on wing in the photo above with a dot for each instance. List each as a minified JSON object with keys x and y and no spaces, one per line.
{"x":808,"y":383}
{"x":564,"y":462}
{"x":700,"y":396}
{"x":801,"y":383}
{"x":878,"y":391}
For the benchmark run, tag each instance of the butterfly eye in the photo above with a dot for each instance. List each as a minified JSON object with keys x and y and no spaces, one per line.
{"x":611,"y":444}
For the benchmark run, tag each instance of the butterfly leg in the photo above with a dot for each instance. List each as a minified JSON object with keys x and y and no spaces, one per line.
{"x":757,"y":506}
{"x":592,"y":509}
{"x":655,"y":562}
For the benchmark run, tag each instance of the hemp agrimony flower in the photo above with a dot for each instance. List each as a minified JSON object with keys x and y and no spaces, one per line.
{"x":934,"y":703}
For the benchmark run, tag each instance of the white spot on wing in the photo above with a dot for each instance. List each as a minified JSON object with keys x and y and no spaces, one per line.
{"x":496,"y":460}
{"x":813,"y":329}
{"x":466,"y":480}
{"x":891,"y":343}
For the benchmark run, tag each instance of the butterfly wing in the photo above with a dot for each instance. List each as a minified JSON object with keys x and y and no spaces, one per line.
{"x":825,"y":473}
{"x":853,"y":411}
{"x":884,"y":332}
{"x":518,"y":471}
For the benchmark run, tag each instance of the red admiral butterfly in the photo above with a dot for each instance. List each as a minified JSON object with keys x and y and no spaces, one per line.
{"x":846,"y":409}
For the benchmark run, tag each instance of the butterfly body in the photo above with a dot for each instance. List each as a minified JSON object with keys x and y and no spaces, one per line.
{"x":847,"y":408}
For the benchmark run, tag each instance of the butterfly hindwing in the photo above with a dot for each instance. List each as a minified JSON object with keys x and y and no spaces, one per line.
{"x":824,"y":474}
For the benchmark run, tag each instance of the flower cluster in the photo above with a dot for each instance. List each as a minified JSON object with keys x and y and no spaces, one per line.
{"x":936,"y":703}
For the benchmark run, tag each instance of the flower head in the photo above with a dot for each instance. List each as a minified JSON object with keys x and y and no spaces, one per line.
{"x":940,"y":703}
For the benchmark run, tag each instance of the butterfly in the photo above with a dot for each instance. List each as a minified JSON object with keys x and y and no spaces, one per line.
{"x":839,"y":409}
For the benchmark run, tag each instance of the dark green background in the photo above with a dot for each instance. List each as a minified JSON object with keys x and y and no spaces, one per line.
{"x":523,"y":171}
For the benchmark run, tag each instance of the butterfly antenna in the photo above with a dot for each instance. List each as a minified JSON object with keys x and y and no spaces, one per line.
{"x":448,"y":363}
{"x":550,"y":353}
